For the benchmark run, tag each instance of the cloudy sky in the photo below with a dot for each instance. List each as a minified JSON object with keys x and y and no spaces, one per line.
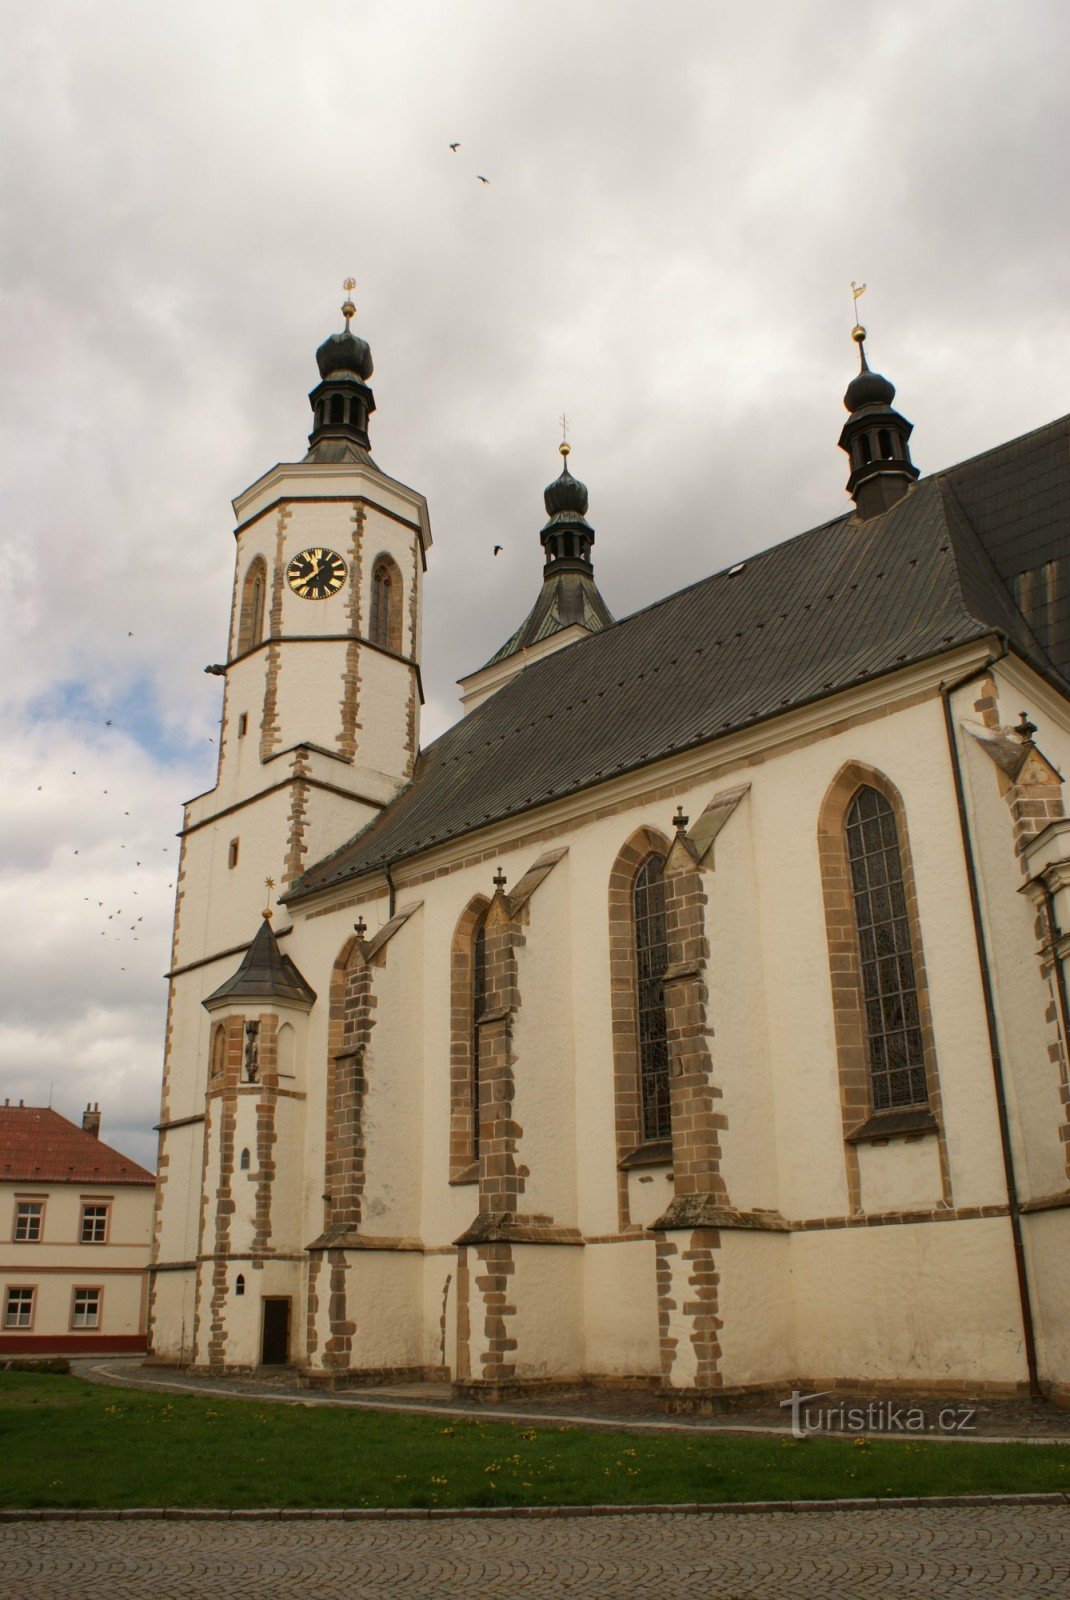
{"x":680,"y":195}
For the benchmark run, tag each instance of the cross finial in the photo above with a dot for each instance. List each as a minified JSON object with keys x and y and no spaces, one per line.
{"x":1025,"y":729}
{"x":564,"y":447}
{"x":499,"y":880}
{"x":348,"y":308}
{"x":680,"y":822}
{"x":360,"y":927}
{"x":858,"y":333}
{"x":269,"y":884}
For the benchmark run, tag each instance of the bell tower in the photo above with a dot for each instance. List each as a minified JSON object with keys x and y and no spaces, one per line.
{"x":319,"y":730}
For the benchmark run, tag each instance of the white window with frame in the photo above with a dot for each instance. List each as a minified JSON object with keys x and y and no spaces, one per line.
{"x":94,"y":1228}
{"x":85,"y":1308}
{"x":29,"y":1221}
{"x":18,"y":1307}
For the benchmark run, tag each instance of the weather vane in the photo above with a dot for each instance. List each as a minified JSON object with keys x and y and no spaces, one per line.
{"x":564,"y":447}
{"x":857,"y":291}
{"x":348,"y":308}
{"x":269,"y":884}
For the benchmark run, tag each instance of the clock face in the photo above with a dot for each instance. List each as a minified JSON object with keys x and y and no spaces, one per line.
{"x":316,"y":574}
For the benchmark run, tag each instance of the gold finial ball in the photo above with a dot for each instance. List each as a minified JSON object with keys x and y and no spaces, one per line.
{"x":858,"y":333}
{"x":564,"y":449}
{"x":348,"y":309}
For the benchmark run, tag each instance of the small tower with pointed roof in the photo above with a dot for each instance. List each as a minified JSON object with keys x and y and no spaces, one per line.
{"x":569,"y":604}
{"x":876,"y":439}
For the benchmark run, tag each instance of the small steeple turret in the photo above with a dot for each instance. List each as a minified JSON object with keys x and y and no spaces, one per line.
{"x":876,"y":439}
{"x":342,"y":401}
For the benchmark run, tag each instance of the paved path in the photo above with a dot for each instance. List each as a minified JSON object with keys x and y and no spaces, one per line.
{"x":977,"y":1553}
{"x":989,"y":1422}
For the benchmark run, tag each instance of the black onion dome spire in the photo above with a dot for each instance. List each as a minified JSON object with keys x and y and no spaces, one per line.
{"x":875,"y":438}
{"x":568,"y":536}
{"x":342,"y":401}
{"x":569,"y":596}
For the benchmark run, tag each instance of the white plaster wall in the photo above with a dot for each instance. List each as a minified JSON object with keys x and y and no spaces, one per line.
{"x":439,"y":1343}
{"x":1022,"y":996}
{"x":683,"y":1360}
{"x":932,"y":1301}
{"x":385,"y":1299}
{"x":901,"y":1175}
{"x":1046,"y":1236}
{"x":221,"y":905}
{"x":384,"y":715}
{"x":649,"y":1191}
{"x":393,"y":1120}
{"x":544,"y":1073}
{"x":756,"y":1307}
{"x":620,"y":1306}
{"x":547,"y":1290}
{"x":180,"y":1214}
{"x":173,"y":1330}
{"x":739,"y":1043}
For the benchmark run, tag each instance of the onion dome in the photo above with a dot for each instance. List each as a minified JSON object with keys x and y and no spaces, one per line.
{"x":566,"y":493}
{"x":867,"y":388}
{"x":876,"y":439}
{"x":342,"y":402}
{"x":345,"y":352}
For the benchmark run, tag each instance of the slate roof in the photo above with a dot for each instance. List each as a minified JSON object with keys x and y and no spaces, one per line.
{"x":566,"y":598}
{"x":844,"y":603}
{"x":264,"y":974}
{"x":37,"y":1145}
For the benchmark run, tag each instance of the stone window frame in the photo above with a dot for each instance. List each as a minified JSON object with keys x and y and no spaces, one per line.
{"x":253,"y":604}
{"x":861,"y":1123}
{"x":87,"y":1289}
{"x":217,"y":1052}
{"x":94,"y":1206}
{"x":386,"y":631}
{"x":15,"y":1322}
{"x":631,"y":1148}
{"x":463,"y":1158}
{"x":35,"y":1207}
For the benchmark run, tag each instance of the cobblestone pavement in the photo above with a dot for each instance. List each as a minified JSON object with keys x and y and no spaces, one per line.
{"x":983,"y":1553}
{"x":988,"y":1419}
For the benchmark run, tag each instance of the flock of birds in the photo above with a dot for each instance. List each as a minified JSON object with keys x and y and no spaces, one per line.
{"x":455,"y":146}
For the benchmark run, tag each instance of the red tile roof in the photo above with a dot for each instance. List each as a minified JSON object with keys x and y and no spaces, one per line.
{"x":37,"y":1145}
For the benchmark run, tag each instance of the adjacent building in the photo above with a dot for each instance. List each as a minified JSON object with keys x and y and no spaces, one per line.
{"x":75,"y":1228}
{"x":693,"y":1013}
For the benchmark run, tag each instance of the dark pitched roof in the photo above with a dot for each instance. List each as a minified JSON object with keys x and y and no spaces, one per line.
{"x":565,"y":599}
{"x":37,"y":1145}
{"x":829,"y":609}
{"x":264,"y":974}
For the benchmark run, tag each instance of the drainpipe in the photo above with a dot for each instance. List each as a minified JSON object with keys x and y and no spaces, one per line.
{"x":1021,"y":1269}
{"x":392,"y":892}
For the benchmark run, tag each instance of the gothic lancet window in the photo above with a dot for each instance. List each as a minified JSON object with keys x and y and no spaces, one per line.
{"x":889,"y":985}
{"x":384,"y":627}
{"x":479,"y":1001}
{"x":251,"y":617}
{"x":651,"y":960}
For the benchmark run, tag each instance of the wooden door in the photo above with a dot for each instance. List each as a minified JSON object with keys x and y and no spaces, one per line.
{"x":276,"y":1343}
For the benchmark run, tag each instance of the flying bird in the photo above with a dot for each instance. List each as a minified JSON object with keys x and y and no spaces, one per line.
{"x":481,"y":178}
{"x":107,"y":724}
{"x":456,"y":146}
{"x":497,"y":549}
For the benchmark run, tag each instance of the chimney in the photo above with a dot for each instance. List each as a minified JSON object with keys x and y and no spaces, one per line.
{"x":91,"y":1120}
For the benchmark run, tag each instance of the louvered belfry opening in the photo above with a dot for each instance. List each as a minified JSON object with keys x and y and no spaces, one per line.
{"x":893,"y":1025}
{"x":651,"y":960}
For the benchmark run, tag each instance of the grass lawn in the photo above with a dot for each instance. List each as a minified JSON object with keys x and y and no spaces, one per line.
{"x":65,"y":1443}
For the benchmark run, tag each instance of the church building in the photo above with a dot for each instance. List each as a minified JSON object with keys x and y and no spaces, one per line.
{"x":693,"y":1013}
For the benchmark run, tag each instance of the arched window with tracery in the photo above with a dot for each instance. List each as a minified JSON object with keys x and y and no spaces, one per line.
{"x":886,"y":955}
{"x":384,"y":625}
{"x":251,"y":617}
{"x":651,"y":960}
{"x":467,"y":1004}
